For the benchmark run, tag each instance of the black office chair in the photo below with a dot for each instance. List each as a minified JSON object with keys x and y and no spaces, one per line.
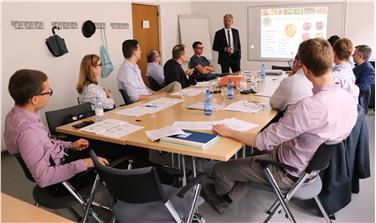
{"x":275,"y":67}
{"x":304,"y":188}
{"x":126,"y":98}
{"x":43,"y":197}
{"x":66,"y":115}
{"x":153,"y":84}
{"x":142,"y":198}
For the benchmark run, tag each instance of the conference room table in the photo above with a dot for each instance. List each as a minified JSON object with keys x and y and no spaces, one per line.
{"x":222,"y":150}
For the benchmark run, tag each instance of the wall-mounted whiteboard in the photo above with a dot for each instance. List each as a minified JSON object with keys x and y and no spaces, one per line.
{"x":195,"y":28}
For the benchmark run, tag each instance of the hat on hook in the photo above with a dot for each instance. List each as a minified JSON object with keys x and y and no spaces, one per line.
{"x":88,"y":28}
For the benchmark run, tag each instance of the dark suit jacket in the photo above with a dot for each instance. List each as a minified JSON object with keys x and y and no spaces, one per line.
{"x":174,"y":72}
{"x":220,"y":43}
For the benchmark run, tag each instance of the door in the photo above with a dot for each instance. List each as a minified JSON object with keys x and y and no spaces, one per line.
{"x":146,"y":31}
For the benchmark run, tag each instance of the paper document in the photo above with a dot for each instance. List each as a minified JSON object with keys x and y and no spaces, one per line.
{"x":200,"y":106}
{"x":163,"y":132}
{"x":245,"y":106}
{"x":193,"y":125}
{"x":237,"y":124}
{"x":135,"y":111}
{"x":112,"y":128}
{"x":190,"y":92}
{"x":206,"y":84}
{"x":160,"y":104}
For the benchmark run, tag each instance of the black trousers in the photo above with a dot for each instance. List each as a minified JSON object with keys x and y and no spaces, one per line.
{"x":232,"y":63}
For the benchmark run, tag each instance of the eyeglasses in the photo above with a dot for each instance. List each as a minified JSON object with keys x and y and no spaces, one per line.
{"x":50,"y":92}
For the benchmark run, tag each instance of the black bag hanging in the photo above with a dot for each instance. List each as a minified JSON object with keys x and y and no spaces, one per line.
{"x":56,"y":44}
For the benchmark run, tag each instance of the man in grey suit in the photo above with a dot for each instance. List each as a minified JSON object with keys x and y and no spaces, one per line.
{"x":227,"y":44}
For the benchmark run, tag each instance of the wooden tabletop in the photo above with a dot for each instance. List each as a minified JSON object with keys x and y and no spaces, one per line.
{"x":15,"y":210}
{"x":222,"y":150}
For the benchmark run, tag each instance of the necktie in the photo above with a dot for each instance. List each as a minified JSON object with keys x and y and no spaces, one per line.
{"x":229,"y":38}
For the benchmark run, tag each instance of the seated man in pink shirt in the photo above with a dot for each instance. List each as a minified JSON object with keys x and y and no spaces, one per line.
{"x":329,"y":114}
{"x":25,"y":134}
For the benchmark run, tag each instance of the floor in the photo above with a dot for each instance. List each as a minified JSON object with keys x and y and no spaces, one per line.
{"x":250,"y":209}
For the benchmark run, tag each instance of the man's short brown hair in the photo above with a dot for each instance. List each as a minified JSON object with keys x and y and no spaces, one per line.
{"x":24,"y":84}
{"x":317,"y":55}
{"x":343,"y":49}
{"x":178,"y":51}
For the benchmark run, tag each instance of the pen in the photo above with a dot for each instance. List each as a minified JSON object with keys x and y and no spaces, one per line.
{"x":150,"y":106}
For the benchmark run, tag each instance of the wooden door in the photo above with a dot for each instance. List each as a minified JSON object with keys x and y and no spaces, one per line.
{"x":146,"y":31}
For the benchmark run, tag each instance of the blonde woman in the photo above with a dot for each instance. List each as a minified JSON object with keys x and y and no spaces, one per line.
{"x":88,"y":88}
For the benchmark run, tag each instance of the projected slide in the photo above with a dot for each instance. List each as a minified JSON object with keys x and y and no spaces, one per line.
{"x":283,"y":29}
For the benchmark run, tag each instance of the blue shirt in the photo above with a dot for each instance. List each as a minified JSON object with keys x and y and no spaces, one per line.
{"x":365,"y":75}
{"x":129,"y":78}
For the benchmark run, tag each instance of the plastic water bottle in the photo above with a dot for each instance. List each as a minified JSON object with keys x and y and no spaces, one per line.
{"x":98,"y":108}
{"x":230,"y":89}
{"x":262,"y":72}
{"x":208,"y":110}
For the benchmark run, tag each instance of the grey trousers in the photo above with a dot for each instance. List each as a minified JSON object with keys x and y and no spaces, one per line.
{"x":171,"y":87}
{"x":232,"y":177}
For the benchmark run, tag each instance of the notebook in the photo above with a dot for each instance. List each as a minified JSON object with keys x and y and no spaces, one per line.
{"x":191,"y":139}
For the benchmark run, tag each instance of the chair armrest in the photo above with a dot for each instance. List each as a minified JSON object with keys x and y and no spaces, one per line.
{"x":265,"y":163}
{"x":192,"y":183}
{"x":120,"y":160}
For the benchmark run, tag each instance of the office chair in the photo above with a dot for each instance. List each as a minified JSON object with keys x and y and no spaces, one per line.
{"x":153,"y":84}
{"x":304,"y":188}
{"x":43,"y":197}
{"x":126,"y":98}
{"x":371,"y":103}
{"x":274,"y":67}
{"x":66,"y":115}
{"x":142,"y":198}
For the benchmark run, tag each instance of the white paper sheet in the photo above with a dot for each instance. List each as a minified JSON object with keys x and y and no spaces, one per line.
{"x":112,"y":128}
{"x":160,"y":104}
{"x":200,"y":106}
{"x":190,"y":92}
{"x":193,"y":125}
{"x":237,"y":124}
{"x":205,"y":84}
{"x":163,"y":132}
{"x":135,"y":111}
{"x":245,"y":106}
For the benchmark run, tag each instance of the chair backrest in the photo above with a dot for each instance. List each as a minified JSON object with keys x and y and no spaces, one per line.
{"x":140,"y":185}
{"x":24,"y":167}
{"x":63,"y":116}
{"x":127,"y":99}
{"x":274,"y":67}
{"x":153,"y":84}
{"x":372,"y":96}
{"x":322,"y":156}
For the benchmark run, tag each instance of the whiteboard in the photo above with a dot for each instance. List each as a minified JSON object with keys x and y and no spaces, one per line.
{"x":195,"y":28}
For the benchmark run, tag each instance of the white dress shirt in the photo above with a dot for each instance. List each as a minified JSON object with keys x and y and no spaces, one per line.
{"x":343,"y":74}
{"x":155,"y":71}
{"x":129,"y":78}
{"x":291,"y":90}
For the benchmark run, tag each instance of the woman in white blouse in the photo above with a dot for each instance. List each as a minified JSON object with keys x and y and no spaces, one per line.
{"x":88,"y":88}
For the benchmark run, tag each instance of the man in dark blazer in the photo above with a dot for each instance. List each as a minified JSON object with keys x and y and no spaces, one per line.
{"x":227,"y":43}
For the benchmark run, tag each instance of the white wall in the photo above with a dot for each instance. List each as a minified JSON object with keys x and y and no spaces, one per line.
{"x":359,"y":26}
{"x":27,"y":49}
{"x":170,"y":36}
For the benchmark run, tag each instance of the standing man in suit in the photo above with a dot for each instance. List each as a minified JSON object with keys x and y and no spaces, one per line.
{"x":227,"y":43}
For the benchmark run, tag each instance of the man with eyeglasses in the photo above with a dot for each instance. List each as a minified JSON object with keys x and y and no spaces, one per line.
{"x":25,"y":134}
{"x":203,"y":70}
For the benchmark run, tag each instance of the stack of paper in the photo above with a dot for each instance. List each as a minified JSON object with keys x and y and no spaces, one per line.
{"x":112,"y":128}
{"x":245,"y":106}
{"x":237,"y":124}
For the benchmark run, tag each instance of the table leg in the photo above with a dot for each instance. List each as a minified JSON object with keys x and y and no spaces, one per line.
{"x":184,"y":170}
{"x":194,"y":167}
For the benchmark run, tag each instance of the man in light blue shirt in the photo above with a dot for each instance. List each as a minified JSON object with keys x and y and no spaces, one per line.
{"x":129,"y":75}
{"x":154,"y":68}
